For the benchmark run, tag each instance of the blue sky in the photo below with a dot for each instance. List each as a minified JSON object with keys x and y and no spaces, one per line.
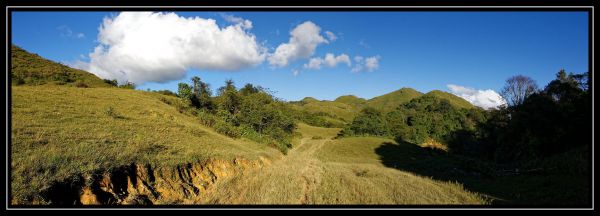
{"x":422,"y":50}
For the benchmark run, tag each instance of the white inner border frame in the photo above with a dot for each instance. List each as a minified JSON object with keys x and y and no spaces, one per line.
{"x":307,"y":207}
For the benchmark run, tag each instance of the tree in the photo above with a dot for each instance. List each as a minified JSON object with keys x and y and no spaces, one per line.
{"x":250,"y":89}
{"x":229,"y":98}
{"x":128,"y":85}
{"x":517,"y":89}
{"x":548,"y":122}
{"x":369,"y":122}
{"x":111,"y":82}
{"x":205,"y":99}
{"x":184,"y":91}
{"x":196,"y":83}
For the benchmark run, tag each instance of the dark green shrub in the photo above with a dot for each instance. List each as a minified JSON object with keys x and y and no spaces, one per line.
{"x":80,"y":84}
{"x":226,"y":129}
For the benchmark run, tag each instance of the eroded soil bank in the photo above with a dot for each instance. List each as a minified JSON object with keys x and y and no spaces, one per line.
{"x":143,"y":184}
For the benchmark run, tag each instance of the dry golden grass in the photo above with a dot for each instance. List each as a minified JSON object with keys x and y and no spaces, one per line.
{"x":434,"y":144}
{"x":326,"y":171}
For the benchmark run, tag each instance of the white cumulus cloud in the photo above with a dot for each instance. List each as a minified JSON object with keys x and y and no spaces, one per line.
{"x":330,"y":60}
{"x":369,"y":64}
{"x":482,"y":98}
{"x":159,"y":47}
{"x":302,"y":44}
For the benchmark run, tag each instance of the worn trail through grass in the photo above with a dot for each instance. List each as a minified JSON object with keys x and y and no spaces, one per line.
{"x":308,"y":176}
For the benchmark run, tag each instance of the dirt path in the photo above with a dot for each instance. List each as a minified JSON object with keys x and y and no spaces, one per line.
{"x":290,"y":180}
{"x":302,"y":177}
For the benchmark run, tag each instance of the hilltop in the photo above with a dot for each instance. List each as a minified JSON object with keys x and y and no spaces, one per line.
{"x":345,"y":108}
{"x":453,"y":99}
{"x":31,"y":69}
{"x":390,"y":101}
{"x":351,"y":100}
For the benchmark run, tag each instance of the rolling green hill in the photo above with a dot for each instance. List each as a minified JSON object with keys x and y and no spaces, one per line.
{"x":336,"y":112}
{"x":31,"y":69}
{"x":453,"y":99}
{"x":351,"y":100}
{"x":344,"y":108}
{"x":390,"y":101}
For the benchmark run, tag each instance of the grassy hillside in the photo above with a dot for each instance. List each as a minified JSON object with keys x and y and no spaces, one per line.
{"x":453,"y":99}
{"x":351,"y":100}
{"x":59,"y":131}
{"x":337,"y":111}
{"x":345,"y":108}
{"x":31,"y":69}
{"x":390,"y":101}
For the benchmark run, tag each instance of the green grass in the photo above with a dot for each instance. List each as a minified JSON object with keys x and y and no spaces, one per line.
{"x":390,"y":101}
{"x":31,"y":69}
{"x":453,"y":99}
{"x":351,"y":100}
{"x":339,"y":111}
{"x":60,"y":131}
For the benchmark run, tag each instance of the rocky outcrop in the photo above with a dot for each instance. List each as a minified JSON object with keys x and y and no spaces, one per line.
{"x":142,"y":184}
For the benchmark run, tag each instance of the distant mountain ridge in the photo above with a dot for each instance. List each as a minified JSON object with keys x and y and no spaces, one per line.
{"x":346,"y":107}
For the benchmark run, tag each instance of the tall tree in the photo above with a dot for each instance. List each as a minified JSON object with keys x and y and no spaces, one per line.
{"x":229,"y":98}
{"x":205,"y":96}
{"x":517,"y":89}
{"x":196,"y":82}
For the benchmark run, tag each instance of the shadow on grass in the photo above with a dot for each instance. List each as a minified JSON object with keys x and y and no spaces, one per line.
{"x":541,"y":189}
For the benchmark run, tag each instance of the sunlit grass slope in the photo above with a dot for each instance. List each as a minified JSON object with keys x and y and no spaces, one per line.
{"x":390,"y":101}
{"x":31,"y":69}
{"x":60,"y":131}
{"x":453,"y":99}
{"x":339,"y":112}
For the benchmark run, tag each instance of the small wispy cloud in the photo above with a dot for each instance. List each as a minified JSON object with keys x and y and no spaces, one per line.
{"x":364,"y":44}
{"x":65,"y":31}
{"x":295,"y":72}
{"x":330,"y":36}
{"x":369,"y":64}
{"x":330,"y":60}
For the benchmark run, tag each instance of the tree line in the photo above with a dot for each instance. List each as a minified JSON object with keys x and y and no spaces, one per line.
{"x":535,"y":123}
{"x":250,"y":112}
